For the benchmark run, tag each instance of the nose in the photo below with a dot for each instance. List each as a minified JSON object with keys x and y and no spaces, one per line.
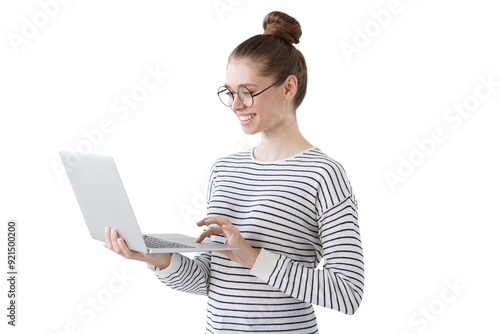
{"x":237,"y":104}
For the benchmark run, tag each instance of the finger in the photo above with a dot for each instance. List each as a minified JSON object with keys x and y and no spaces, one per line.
{"x":206,"y":221}
{"x":230,"y":229}
{"x":127,"y":252}
{"x":107,"y":237}
{"x":216,"y":220}
{"x":202,"y":222}
{"x":114,"y":241}
{"x":209,"y":232}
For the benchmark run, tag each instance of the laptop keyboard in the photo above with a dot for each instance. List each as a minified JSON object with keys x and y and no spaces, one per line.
{"x":152,"y":242}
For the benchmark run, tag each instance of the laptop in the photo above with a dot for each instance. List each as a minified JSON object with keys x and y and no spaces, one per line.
{"x":102,"y":198}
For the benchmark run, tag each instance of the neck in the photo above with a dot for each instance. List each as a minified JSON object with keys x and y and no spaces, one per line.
{"x":281,"y":143}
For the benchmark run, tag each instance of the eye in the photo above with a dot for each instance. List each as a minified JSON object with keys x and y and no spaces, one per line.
{"x":245,"y":91}
{"x":226,"y":92}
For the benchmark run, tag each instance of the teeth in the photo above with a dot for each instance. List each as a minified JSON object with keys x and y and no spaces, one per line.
{"x":246,"y":118}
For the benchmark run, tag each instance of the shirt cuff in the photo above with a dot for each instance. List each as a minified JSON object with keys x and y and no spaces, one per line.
{"x":264,"y":265}
{"x":175,"y":263}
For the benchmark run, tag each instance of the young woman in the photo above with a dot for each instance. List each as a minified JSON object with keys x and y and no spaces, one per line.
{"x":285,"y":204}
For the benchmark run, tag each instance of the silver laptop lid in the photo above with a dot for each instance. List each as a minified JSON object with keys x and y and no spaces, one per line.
{"x":102,"y":198}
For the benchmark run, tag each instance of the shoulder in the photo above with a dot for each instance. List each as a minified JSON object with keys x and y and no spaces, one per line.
{"x":332,"y":175}
{"x":323,"y":163}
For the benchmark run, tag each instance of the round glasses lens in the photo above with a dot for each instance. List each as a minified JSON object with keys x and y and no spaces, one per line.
{"x":245,"y":96}
{"x":225,"y":96}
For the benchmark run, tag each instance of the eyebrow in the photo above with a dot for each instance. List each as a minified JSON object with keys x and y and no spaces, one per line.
{"x":243,"y":84}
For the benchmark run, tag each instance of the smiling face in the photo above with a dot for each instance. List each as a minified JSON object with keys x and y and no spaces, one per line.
{"x":270,"y":110}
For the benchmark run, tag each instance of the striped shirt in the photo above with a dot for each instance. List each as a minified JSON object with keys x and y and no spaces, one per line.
{"x":295,"y":212}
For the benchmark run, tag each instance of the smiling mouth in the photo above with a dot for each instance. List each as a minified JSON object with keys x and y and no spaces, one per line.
{"x":247,"y":117}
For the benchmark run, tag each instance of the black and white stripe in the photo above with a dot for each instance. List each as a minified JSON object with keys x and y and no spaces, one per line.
{"x":295,"y":211}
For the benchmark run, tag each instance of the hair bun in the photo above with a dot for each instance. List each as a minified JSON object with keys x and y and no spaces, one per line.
{"x":282,"y":25}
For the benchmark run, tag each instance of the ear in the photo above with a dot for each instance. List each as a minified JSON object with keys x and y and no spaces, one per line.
{"x":290,"y":86}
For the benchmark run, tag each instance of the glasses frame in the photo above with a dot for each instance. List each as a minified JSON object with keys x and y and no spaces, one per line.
{"x":238,"y":93}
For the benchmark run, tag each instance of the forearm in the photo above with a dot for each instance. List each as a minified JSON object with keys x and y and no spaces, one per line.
{"x":340,"y":290}
{"x":160,"y":263}
{"x":187,"y":275}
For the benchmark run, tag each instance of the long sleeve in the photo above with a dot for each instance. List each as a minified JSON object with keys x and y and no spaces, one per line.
{"x":339,"y":284}
{"x":187,"y":275}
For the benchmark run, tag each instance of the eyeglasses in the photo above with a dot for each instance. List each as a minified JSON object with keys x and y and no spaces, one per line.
{"x":246,"y":97}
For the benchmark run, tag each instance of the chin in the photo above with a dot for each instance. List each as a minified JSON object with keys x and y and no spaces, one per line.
{"x":250,"y":131}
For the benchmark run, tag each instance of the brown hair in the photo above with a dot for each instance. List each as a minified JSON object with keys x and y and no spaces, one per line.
{"x":274,"y":53}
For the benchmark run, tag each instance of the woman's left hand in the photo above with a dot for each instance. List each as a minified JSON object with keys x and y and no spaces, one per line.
{"x":245,"y":255}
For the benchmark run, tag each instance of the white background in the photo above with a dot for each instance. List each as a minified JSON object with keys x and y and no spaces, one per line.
{"x":437,"y":228}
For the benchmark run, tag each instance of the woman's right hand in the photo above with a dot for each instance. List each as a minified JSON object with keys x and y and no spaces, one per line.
{"x":119,"y":246}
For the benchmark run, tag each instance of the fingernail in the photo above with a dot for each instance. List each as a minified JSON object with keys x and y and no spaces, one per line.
{"x":120,"y":241}
{"x":107,"y":228}
{"x":208,"y":219}
{"x":113,"y":231}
